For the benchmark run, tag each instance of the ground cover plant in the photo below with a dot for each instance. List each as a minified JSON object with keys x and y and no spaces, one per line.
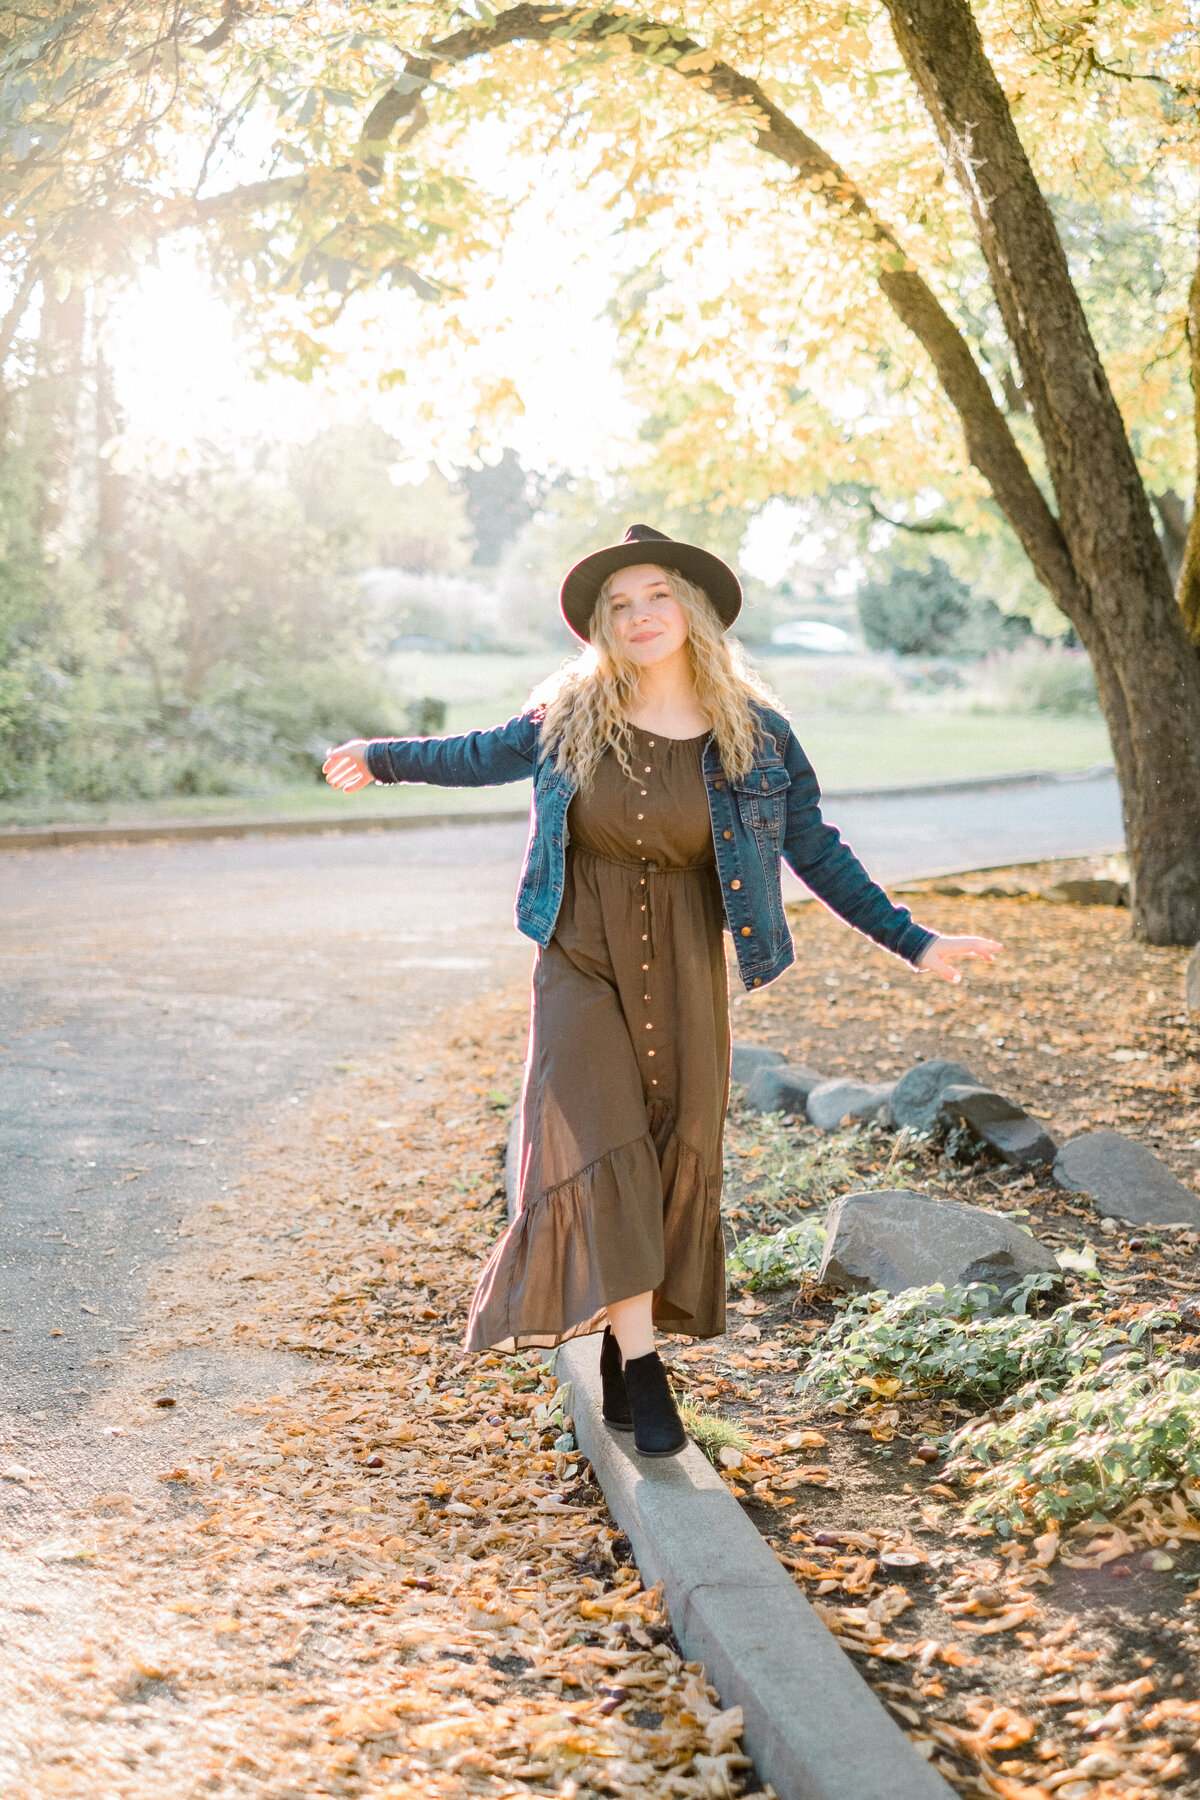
{"x":952,"y":1341}
{"x":772,"y":1259}
{"x":1108,"y":1437}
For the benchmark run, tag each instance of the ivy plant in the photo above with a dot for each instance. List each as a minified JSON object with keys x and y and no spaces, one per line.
{"x":949,"y":1341}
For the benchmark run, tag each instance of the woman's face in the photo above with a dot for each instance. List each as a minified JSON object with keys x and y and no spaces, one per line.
{"x":647,"y":619}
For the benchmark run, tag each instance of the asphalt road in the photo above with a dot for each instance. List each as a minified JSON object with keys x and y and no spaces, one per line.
{"x":157,"y":1000}
{"x":903,"y":837}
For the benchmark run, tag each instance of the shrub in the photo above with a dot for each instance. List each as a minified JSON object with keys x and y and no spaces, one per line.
{"x":939,"y":1340}
{"x":1112,"y":1435}
{"x":930,"y":612}
{"x":1046,"y":678}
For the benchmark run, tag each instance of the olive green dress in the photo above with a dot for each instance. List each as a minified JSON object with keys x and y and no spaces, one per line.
{"x":627,"y":1078}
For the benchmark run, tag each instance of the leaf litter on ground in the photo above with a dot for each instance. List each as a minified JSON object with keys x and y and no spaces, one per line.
{"x":1061,"y":1660}
{"x":394,"y":1576}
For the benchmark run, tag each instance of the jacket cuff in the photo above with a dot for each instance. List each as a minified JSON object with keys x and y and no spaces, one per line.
{"x":378,"y":760}
{"x":914,"y":941}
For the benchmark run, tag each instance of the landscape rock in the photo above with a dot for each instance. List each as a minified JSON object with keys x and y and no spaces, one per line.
{"x":747,"y":1058}
{"x":1098,"y":892}
{"x":1126,"y":1180}
{"x":899,"y":1238}
{"x":1192,"y":981}
{"x":829,"y":1102}
{"x":1001,"y":1123}
{"x":917,"y":1100}
{"x":781,"y":1089}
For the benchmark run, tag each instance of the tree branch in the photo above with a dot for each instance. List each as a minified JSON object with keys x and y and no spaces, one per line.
{"x":231,"y":12}
{"x":915,"y":527}
{"x":1062,"y":374}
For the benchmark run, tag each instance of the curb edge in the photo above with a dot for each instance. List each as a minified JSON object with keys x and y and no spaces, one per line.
{"x":812,"y":1725}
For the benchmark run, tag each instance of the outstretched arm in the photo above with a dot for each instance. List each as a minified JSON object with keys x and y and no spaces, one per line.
{"x":477,"y":759}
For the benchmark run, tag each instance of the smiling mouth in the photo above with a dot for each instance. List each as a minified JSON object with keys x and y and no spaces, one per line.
{"x":644,"y":637}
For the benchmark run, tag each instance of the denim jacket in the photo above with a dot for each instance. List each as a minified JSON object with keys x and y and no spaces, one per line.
{"x":773,"y":812}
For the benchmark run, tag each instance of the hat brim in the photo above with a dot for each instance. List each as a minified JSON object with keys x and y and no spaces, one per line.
{"x":581,"y":586}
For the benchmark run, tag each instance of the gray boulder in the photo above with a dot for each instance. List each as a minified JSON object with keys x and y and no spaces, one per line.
{"x":781,"y":1089}
{"x":1125,"y":1179}
{"x":1192,"y":981}
{"x":898,"y":1239}
{"x":1001,"y":1123}
{"x":918,"y":1096}
{"x":747,"y":1058}
{"x":829,"y":1102}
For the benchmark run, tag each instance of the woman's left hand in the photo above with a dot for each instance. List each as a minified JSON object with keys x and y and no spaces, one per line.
{"x":940,"y":957}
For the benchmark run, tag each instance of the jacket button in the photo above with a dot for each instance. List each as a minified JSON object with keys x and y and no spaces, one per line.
{"x":735,"y":884}
{"x":757,"y":982}
{"x":745,"y":931}
{"x":727,"y":835}
{"x":718,"y":784}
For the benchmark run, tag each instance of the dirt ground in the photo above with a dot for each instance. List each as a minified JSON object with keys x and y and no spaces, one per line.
{"x":1090,"y":1688}
{"x":390,"y":1575}
{"x":1084,"y":1026}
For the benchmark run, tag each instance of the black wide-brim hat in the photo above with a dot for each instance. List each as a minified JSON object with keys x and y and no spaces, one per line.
{"x":642,"y":544}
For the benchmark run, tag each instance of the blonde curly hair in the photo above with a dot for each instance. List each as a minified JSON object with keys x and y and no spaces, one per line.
{"x":584,"y":706}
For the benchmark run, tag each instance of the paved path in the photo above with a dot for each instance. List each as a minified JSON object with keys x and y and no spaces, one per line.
{"x":912,"y":835}
{"x":155,"y":999}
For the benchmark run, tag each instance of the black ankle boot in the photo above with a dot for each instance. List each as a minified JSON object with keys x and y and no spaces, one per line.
{"x":615,"y":1408}
{"x":657,"y":1427}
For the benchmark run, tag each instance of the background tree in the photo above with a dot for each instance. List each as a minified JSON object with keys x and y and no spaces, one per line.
{"x":499,"y":500}
{"x":346,"y":483}
{"x":929,"y":612}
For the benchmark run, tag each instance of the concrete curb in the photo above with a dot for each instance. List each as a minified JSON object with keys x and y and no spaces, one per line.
{"x":813,"y":1726}
{"x":56,"y":837}
{"x":976,"y":784}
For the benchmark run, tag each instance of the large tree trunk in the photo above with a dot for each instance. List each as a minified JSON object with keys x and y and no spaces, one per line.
{"x":1124,"y":608}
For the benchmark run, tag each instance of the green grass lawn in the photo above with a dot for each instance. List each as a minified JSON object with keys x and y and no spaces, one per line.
{"x":848,"y":749}
{"x":887,"y":749}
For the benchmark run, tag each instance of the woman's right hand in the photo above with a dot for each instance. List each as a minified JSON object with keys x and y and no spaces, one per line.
{"x":346,"y":767}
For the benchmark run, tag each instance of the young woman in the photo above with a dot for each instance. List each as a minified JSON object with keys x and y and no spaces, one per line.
{"x":666,"y":791}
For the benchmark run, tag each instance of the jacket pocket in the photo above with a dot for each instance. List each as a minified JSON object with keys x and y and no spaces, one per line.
{"x":762,"y":798}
